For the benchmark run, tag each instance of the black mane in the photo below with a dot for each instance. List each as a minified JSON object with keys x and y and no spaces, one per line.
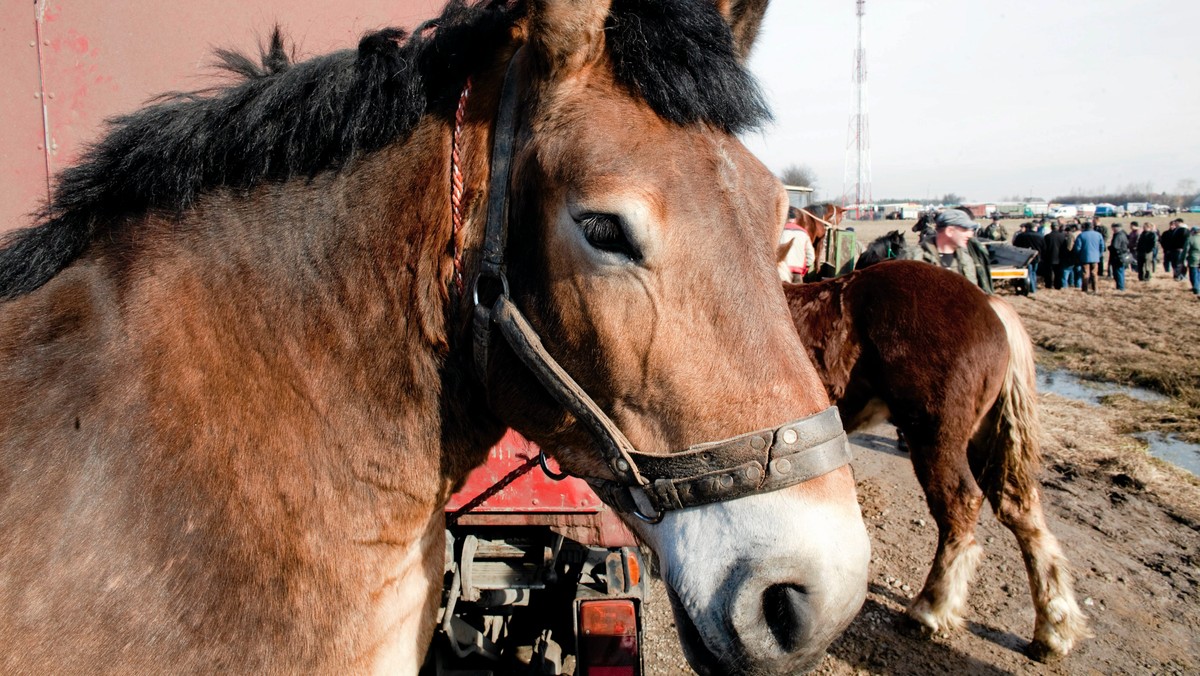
{"x":285,"y":119}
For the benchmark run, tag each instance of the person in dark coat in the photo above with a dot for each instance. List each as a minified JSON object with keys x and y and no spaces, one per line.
{"x":1056,"y":248}
{"x":1191,"y":258}
{"x":1147,"y":244}
{"x":1029,"y":238}
{"x":1104,"y":235}
{"x":1118,"y":255}
{"x":1173,"y":241}
{"x":1135,"y":231}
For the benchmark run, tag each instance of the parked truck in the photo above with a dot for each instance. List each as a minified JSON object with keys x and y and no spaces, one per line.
{"x":541,"y":577}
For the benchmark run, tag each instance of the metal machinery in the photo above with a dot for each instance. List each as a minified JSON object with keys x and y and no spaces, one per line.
{"x":541,"y":576}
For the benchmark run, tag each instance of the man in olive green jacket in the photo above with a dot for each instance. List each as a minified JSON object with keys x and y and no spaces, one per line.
{"x":954,"y":248}
{"x":1191,"y":258}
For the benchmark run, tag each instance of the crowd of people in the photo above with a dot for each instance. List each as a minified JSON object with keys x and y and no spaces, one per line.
{"x":1062,"y":253}
{"x":1072,"y":254}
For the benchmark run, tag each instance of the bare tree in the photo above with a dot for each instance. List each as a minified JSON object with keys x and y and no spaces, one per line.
{"x":1185,"y":191}
{"x":953,"y":198}
{"x":801,"y":175}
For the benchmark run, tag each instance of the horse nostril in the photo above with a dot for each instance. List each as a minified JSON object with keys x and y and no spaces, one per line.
{"x":785,"y":607}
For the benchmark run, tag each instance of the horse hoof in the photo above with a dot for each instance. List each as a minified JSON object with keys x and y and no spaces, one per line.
{"x":911,"y":627}
{"x":1040,"y":652}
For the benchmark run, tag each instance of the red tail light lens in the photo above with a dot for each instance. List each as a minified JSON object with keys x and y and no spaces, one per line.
{"x":608,"y":638}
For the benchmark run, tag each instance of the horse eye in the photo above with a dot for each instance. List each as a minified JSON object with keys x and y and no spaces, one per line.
{"x":604,"y":232}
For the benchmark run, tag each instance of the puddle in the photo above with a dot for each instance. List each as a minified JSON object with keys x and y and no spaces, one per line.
{"x":1175,"y":451}
{"x":1162,"y":446}
{"x":1071,"y":386}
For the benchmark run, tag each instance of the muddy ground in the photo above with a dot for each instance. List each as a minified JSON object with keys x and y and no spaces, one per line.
{"x":1130,"y":524}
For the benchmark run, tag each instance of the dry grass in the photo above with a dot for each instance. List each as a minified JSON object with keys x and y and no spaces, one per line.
{"x":1145,"y":336}
{"x":1081,"y":438}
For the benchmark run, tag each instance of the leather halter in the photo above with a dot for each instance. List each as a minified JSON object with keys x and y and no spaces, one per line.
{"x":645,"y":485}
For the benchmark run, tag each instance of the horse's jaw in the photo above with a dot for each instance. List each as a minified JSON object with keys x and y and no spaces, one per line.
{"x":764,"y":583}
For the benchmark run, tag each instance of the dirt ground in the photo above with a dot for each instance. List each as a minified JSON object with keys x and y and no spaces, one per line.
{"x":1129,"y":524}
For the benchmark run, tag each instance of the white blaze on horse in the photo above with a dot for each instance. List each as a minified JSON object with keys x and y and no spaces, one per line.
{"x":260,"y":335}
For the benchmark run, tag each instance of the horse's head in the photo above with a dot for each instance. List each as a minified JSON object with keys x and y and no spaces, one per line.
{"x":836,"y":214}
{"x":638,"y":252}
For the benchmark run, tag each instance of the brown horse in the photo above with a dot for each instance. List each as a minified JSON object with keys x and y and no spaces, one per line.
{"x":243,"y":364}
{"x":815,"y":219}
{"x":953,"y":369}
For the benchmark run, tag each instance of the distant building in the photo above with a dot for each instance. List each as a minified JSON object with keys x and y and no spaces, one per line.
{"x":799,"y":196}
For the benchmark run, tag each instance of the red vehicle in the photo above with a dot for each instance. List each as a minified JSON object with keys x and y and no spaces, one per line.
{"x":541,"y":576}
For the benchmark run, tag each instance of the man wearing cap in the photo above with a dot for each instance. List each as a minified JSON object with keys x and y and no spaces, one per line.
{"x":953,"y":247}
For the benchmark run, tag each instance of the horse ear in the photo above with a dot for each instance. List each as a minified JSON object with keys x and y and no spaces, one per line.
{"x":567,"y":34}
{"x":782,"y":250}
{"x":744,"y":17}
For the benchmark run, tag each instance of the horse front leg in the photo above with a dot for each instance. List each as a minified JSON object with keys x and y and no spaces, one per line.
{"x":954,"y":501}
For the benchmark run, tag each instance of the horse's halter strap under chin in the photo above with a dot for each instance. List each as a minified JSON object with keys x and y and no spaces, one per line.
{"x":757,"y":462}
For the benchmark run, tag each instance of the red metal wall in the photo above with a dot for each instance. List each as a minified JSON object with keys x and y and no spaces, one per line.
{"x":71,"y":64}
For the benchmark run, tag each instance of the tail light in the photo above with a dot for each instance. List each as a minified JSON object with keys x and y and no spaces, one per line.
{"x":608,"y":638}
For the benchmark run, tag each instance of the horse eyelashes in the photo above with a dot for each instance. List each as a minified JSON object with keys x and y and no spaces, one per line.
{"x":604,"y":232}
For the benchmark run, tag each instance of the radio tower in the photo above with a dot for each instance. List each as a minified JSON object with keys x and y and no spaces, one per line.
{"x":856,"y":183}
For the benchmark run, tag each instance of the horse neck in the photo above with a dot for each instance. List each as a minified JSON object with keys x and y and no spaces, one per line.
{"x":821,"y":320}
{"x":297,"y":353}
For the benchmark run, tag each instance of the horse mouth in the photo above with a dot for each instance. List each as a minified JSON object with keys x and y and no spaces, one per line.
{"x":706,"y":663}
{"x":694,"y":648}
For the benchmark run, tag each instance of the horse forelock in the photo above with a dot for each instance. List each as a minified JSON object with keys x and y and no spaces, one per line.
{"x":679,"y":56}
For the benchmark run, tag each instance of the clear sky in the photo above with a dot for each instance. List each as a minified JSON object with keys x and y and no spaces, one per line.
{"x":987,"y":99}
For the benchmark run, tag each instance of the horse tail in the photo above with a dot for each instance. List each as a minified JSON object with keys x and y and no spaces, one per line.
{"x":1016,"y":437}
{"x":1013,"y":492}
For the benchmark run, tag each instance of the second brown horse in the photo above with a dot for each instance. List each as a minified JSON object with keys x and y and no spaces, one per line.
{"x":953,"y":369}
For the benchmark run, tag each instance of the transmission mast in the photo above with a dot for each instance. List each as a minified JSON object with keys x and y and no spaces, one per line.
{"x":856,"y":182}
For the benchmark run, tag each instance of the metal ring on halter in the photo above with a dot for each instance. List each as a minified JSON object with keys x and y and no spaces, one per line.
{"x":475,"y":286}
{"x":557,"y":476}
{"x":650,"y":520}
{"x":638,"y":507}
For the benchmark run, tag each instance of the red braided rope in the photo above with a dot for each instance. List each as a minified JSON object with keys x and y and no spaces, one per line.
{"x":456,"y":185}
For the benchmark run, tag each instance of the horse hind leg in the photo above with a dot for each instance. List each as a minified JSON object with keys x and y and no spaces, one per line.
{"x":954,"y":501}
{"x":1059,"y":622}
{"x":1012,"y":488}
